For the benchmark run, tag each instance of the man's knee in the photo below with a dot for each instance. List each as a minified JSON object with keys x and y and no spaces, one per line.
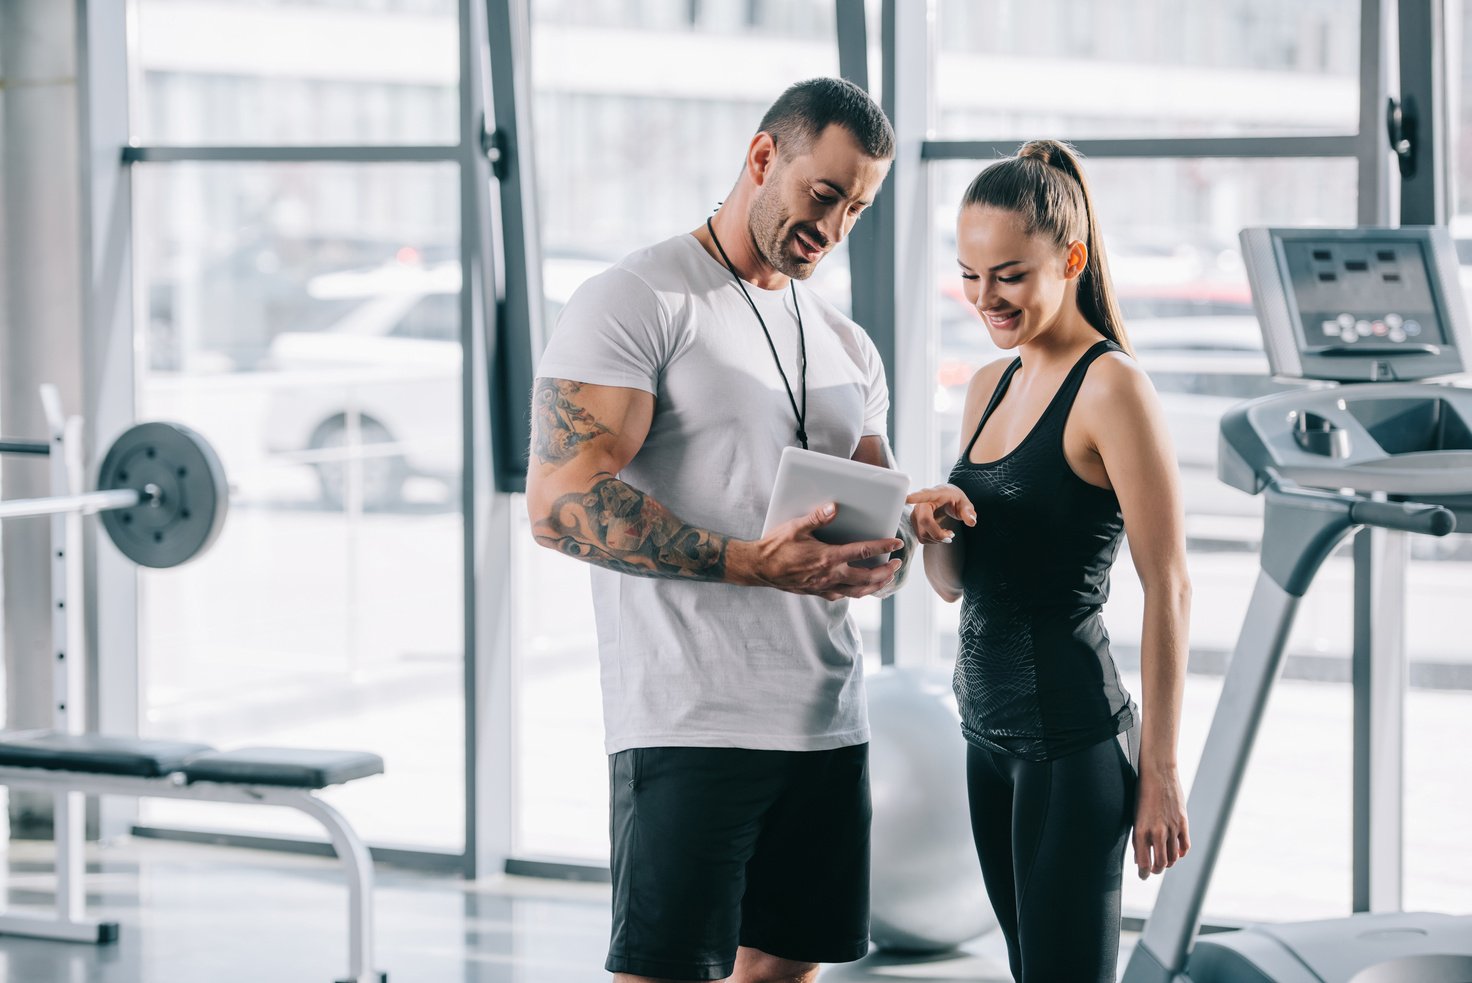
{"x":756,"y":966}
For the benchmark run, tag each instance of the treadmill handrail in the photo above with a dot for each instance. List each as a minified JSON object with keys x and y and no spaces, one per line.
{"x":1418,"y":517}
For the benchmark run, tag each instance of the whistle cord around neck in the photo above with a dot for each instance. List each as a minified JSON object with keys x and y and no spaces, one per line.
{"x":800,"y":413}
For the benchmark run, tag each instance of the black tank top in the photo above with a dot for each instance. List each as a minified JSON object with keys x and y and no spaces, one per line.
{"x":1034,"y":677}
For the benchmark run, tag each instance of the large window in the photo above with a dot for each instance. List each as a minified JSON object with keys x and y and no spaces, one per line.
{"x":305,"y":318}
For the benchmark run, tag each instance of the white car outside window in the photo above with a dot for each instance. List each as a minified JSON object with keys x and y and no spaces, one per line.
{"x":374,"y":399}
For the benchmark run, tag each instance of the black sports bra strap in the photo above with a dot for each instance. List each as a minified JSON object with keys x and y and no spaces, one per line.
{"x":997,"y":394}
{"x":1068,"y":392}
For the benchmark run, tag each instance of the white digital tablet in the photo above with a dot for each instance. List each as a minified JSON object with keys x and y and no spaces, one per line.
{"x":870,"y":499}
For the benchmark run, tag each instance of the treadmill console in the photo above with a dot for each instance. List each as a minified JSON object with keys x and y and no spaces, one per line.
{"x":1371,"y":305}
{"x":1358,"y":305}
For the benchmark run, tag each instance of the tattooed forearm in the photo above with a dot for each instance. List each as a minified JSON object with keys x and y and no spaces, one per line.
{"x":615,"y":525}
{"x":559,"y":424}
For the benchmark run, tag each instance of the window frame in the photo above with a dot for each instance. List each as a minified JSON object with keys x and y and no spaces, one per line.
{"x":501,"y":328}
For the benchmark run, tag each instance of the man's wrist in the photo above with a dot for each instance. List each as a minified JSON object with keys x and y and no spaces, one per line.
{"x":741,"y":563}
{"x":905,"y":554}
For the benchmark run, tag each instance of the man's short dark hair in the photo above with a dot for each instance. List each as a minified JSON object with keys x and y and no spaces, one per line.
{"x":808,"y":108}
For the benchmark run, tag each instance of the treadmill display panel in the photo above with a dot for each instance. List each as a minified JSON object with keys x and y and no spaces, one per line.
{"x":1363,"y":293}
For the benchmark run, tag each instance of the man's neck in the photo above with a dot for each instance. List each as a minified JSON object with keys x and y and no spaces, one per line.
{"x":734,"y":233}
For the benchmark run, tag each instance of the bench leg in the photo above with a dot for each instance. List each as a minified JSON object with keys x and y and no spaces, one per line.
{"x":358,"y":865}
{"x":70,"y":923}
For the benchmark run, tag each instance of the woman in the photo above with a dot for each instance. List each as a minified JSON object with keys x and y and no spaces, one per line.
{"x":1064,"y":448}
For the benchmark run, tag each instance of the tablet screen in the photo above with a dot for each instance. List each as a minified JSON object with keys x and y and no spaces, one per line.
{"x":870,"y":499}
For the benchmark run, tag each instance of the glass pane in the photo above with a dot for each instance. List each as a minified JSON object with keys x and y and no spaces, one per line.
{"x":1438,"y":796}
{"x":1170,"y":228}
{"x":609,"y":136}
{"x":296,"y":72}
{"x":1132,"y":68}
{"x":1439,"y":714}
{"x":1459,"y":19}
{"x":305,"y":320}
{"x":802,"y":20}
{"x":1439,"y":707}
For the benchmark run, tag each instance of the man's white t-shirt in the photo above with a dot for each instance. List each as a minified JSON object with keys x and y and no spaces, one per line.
{"x":695,"y":664}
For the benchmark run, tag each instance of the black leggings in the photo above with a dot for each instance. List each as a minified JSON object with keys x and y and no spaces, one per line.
{"x":1051,"y":838}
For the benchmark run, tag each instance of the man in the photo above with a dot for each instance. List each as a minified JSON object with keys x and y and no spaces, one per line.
{"x":735,"y":716}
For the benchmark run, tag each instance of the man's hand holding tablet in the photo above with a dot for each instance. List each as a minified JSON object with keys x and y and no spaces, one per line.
{"x":830,"y":528}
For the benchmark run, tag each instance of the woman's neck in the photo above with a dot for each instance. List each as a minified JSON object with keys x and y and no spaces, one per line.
{"x":1061,"y":344}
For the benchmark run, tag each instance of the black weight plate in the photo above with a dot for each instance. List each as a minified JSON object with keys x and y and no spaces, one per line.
{"x":193,"y":496}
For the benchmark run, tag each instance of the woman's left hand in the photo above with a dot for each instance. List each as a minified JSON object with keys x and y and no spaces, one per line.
{"x":1161,"y":836}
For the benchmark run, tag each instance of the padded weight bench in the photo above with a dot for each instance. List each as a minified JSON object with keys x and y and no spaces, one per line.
{"x":74,"y":765}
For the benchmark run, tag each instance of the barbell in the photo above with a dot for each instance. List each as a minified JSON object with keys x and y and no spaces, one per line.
{"x":161,"y":493}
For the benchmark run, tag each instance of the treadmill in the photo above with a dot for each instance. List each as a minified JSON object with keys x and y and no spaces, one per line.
{"x":1379,"y":449}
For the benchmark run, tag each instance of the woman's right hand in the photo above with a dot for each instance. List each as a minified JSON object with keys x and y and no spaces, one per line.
{"x":936,"y":512}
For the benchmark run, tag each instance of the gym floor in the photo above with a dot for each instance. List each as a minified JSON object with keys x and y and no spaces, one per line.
{"x":190,"y":912}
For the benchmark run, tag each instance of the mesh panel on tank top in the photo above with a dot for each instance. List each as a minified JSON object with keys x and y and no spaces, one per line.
{"x":1034,"y":677}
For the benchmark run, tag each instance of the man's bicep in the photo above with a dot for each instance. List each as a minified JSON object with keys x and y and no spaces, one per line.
{"x":874,"y":450}
{"x":579,"y":429}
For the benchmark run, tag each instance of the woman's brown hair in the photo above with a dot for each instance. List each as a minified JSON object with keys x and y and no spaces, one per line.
{"x":1045,"y":185}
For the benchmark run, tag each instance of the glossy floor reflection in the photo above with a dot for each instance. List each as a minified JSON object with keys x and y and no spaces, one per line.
{"x":191,"y":912}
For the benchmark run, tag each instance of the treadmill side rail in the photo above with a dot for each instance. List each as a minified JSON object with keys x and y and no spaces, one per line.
{"x":1300,"y":530}
{"x":1145,"y":968}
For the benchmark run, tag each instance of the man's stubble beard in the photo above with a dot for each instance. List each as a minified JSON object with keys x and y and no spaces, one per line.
{"x":768,"y":218}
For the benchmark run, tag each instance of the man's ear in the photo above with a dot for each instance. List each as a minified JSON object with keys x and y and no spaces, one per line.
{"x":761,"y":157}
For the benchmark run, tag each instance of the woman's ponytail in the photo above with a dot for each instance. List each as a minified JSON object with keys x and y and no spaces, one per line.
{"x":1045,"y":184}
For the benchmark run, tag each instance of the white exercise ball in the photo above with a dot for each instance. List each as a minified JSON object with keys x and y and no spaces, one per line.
{"x":926,"y":891}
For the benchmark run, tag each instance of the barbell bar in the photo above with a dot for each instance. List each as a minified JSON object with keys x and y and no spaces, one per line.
{"x":161,"y":493}
{"x":9,"y":446}
{"x":86,"y":503}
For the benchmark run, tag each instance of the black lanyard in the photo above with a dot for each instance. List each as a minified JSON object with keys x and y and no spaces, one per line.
{"x":802,"y":414}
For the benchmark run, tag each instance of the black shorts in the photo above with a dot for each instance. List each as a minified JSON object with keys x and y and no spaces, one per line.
{"x":719,"y":847}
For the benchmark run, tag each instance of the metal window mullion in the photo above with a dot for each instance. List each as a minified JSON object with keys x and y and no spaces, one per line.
{"x":490,"y":619}
{"x":908,"y":91}
{"x":519,"y":335}
{"x":1422,"y":44}
{"x":1379,"y":185}
{"x":1453,"y":27}
{"x":871,"y":252}
{"x":473,"y":225}
{"x":470,"y":225}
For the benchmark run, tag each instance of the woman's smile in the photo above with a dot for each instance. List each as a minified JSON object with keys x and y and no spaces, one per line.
{"x":1002,"y":320}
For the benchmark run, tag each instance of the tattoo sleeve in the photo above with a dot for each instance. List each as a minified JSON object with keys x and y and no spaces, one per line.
{"x":616,"y":526}
{"x":559,"y":425}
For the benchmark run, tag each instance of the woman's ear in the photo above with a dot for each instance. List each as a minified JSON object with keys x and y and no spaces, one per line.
{"x":1075,"y":259}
